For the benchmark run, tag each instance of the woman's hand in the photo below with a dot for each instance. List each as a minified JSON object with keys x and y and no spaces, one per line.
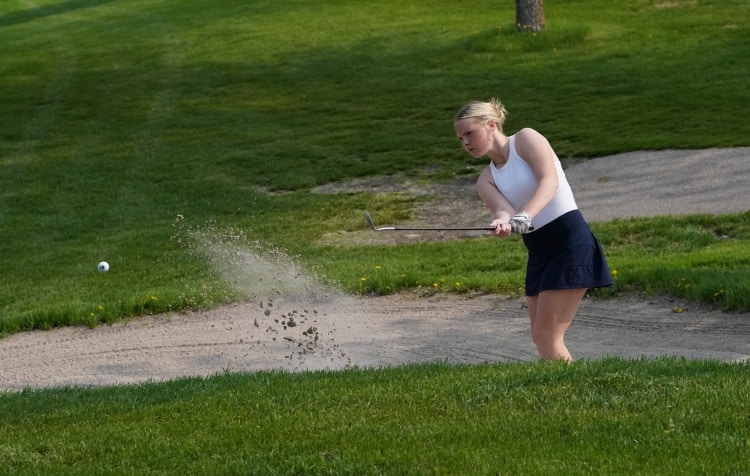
{"x":521,"y":223}
{"x":502,"y":228}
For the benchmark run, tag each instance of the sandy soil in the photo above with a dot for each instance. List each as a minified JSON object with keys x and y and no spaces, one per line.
{"x":343,"y":331}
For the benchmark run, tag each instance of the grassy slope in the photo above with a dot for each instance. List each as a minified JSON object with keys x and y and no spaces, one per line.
{"x":118,"y":117}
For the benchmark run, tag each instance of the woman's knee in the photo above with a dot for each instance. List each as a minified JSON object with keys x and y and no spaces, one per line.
{"x":544,"y":337}
{"x":550,"y":328}
{"x":550,"y":345}
{"x":544,"y":348}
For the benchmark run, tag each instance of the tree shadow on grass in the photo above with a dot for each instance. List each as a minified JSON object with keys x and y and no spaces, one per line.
{"x":30,"y":14}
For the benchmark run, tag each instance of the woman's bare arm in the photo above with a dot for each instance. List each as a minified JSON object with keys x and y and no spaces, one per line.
{"x":536,"y":151}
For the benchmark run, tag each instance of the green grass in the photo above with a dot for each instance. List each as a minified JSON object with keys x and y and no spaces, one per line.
{"x":152,"y":134}
{"x":664,"y":417}
{"x":120,"y":116}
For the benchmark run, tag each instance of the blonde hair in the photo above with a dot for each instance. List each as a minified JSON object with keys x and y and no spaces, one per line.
{"x":484,"y":111}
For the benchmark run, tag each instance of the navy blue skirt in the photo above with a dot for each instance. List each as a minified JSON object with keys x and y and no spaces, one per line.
{"x":564,"y":254}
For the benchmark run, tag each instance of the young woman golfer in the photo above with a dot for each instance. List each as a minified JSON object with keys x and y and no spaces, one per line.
{"x":525,"y":188}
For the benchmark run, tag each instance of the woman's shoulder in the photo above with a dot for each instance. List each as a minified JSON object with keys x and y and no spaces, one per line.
{"x":528,"y":140}
{"x":528,"y":134}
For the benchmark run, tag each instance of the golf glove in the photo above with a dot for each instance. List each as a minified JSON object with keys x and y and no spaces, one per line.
{"x":521,"y":223}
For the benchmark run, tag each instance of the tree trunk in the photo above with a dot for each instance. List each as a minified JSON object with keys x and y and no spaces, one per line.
{"x":530,"y":15}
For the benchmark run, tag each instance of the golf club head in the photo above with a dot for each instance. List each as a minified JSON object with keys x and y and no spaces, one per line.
{"x":368,"y":219}
{"x":370,"y":222}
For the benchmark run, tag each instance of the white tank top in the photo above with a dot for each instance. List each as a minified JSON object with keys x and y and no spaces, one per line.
{"x":517,"y":182}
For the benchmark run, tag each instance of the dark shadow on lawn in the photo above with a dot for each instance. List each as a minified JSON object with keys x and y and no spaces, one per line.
{"x":31,"y":14}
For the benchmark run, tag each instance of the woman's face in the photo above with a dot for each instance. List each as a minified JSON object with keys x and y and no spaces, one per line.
{"x":475,"y":136}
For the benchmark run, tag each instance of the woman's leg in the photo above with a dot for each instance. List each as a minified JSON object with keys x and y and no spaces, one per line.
{"x":551,"y":313}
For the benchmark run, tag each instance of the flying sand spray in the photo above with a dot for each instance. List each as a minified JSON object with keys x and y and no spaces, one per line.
{"x":285,"y":293}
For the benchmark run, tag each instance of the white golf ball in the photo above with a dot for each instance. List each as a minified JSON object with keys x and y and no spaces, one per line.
{"x":103,"y":267}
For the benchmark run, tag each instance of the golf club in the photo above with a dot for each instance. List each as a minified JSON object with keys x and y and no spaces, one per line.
{"x":370,"y":222}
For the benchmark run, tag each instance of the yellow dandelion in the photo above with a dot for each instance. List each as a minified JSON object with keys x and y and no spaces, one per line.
{"x":363,"y":279}
{"x":153,"y":298}
{"x":614,"y":272}
{"x":377,"y":266}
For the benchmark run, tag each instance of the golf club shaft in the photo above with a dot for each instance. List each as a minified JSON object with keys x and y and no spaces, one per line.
{"x":423,"y":228}
{"x":370,"y":222}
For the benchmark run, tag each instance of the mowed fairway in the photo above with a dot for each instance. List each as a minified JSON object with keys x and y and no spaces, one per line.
{"x":152,"y":134}
{"x":126,"y":125}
